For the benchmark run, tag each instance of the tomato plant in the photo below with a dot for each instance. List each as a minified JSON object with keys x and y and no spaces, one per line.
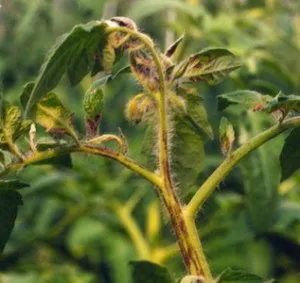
{"x":169,"y":105}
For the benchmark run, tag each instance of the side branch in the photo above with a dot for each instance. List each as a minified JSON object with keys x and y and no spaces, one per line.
{"x":122,"y":159}
{"x":231,"y":161}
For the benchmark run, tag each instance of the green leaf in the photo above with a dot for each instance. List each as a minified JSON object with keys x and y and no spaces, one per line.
{"x":74,"y":54}
{"x":231,"y":275}
{"x":288,"y":212}
{"x":12,"y":185}
{"x":246,"y":98}
{"x":52,"y":115}
{"x":227,"y":136}
{"x":286,"y":102}
{"x":9,"y":202}
{"x":290,"y":155}
{"x":93,"y":101}
{"x":189,"y":133}
{"x":196,"y":112}
{"x":27,"y":89}
{"x":261,"y":178}
{"x":149,"y":272}
{"x":210,"y":65}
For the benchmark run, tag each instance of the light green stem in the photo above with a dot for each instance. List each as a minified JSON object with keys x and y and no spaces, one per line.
{"x":124,"y":160}
{"x":227,"y":165}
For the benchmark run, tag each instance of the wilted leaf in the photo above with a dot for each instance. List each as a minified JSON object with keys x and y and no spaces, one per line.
{"x":227,"y":136}
{"x":149,"y":272}
{"x":290,"y":154}
{"x":210,"y":65}
{"x":74,"y":53}
{"x":246,"y":98}
{"x":231,"y":275}
{"x":9,"y":202}
{"x":52,"y":115}
{"x":12,"y":185}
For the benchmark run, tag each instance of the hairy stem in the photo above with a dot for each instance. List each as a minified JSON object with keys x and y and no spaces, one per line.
{"x":188,"y":242}
{"x":231,"y":161}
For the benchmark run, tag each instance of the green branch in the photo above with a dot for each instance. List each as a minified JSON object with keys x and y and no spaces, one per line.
{"x":231,"y":161}
{"x":122,"y":159}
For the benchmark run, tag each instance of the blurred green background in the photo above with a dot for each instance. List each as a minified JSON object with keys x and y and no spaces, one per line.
{"x":76,"y":223}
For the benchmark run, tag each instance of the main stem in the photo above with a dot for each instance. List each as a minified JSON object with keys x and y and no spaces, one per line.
{"x":184,"y":229}
{"x":186,"y":233}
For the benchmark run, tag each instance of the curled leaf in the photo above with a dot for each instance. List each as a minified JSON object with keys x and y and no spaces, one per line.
{"x":144,"y":69}
{"x":173,"y":47}
{"x":138,"y":108}
{"x":93,"y":103}
{"x":210,"y":65}
{"x":227,"y":136}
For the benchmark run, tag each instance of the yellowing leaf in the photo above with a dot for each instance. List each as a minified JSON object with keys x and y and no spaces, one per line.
{"x":227,"y":136}
{"x":52,"y":115}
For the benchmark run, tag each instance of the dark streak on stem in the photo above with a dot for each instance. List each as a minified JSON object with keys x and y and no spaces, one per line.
{"x":174,"y":208}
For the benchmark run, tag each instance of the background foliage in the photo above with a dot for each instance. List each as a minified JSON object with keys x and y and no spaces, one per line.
{"x":68,"y":231}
